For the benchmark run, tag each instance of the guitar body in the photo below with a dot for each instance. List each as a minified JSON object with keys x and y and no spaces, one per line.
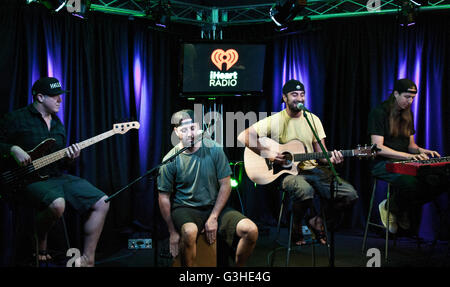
{"x":13,"y":177}
{"x":262,"y":171}
{"x":10,"y":174}
{"x":41,"y":149}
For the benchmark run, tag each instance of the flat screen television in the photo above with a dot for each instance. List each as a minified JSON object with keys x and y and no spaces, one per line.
{"x":222,"y":68}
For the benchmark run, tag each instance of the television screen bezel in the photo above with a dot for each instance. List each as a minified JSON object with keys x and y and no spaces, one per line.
{"x":182,"y":93}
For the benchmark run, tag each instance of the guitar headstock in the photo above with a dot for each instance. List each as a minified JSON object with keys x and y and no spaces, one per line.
{"x":121,"y":128}
{"x":366,"y":151}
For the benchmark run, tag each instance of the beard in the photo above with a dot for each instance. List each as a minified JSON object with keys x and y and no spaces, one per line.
{"x":189,"y":141}
{"x":293,"y":106}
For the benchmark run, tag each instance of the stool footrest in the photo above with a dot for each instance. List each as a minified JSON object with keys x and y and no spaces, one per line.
{"x":377,"y":225}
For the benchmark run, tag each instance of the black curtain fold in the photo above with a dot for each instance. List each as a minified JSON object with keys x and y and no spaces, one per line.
{"x":117,"y":68}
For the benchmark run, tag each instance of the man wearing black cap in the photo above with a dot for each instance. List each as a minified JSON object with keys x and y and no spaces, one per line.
{"x":199,"y":181}
{"x":23,"y":130}
{"x":391,"y":127}
{"x":290,"y":124}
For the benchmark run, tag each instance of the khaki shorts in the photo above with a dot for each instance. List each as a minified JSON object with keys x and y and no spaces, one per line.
{"x":228,"y":220}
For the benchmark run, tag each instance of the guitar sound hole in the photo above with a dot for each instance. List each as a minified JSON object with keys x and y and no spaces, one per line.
{"x":288,"y":157}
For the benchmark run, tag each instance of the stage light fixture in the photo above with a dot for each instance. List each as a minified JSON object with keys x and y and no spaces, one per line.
{"x":285,"y":11}
{"x":53,"y":5}
{"x":160,"y":14}
{"x":84,"y":8}
{"x":420,"y":2}
{"x":408,"y":13}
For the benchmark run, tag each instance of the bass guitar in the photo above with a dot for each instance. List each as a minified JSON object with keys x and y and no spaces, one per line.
{"x":17,"y":177}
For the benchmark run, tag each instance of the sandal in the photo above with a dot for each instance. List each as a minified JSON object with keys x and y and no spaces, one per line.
{"x":320,"y":233}
{"x":43,"y":262}
{"x":297,"y":237}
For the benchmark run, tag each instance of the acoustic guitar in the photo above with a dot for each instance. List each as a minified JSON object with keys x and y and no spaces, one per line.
{"x":263,"y":171}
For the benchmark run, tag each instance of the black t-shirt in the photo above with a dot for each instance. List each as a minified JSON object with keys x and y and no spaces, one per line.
{"x":26,"y":128}
{"x":379,"y":125}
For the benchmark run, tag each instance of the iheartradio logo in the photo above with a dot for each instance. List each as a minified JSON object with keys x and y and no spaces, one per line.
{"x":229,"y":57}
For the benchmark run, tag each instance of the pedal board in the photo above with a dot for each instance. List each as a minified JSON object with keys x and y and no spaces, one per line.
{"x":138,"y":243}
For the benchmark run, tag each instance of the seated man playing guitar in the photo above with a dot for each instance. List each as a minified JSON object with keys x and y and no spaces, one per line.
{"x":25,"y":129}
{"x":283,"y":127}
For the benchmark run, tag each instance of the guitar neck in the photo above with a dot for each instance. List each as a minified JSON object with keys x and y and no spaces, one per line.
{"x":53,"y":157}
{"x":319,"y":155}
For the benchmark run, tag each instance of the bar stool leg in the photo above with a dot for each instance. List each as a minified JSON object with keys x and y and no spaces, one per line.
{"x":280,"y":214}
{"x":322,"y":211}
{"x":369,"y":215}
{"x":274,"y":251}
{"x":387,"y":227}
{"x":290,"y":238}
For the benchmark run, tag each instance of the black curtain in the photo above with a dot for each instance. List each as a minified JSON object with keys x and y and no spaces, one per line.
{"x":349,"y":66}
{"x":95,"y":59}
{"x":119,"y":68}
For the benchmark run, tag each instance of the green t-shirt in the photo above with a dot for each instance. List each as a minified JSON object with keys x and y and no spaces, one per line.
{"x":194,"y":177}
{"x":378,"y":124}
{"x":282,"y":128}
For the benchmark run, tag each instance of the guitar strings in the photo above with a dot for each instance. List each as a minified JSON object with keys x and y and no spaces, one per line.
{"x":11,"y":176}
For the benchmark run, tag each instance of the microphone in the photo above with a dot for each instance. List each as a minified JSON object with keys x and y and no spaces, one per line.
{"x":301,"y":106}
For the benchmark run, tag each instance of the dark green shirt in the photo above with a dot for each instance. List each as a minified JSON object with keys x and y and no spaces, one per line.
{"x":378,"y":124}
{"x":195,"y":177}
{"x":26,"y":128}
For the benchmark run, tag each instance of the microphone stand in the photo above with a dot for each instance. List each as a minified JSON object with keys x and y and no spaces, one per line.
{"x":150,"y":172}
{"x":156,"y":167}
{"x":333,"y":188}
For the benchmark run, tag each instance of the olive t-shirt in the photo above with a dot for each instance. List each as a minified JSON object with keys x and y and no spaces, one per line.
{"x":282,"y":128}
{"x":195,"y":177}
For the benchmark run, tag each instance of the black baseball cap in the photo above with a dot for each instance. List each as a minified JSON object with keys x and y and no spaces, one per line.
{"x":184,"y":117}
{"x":293,"y":85}
{"x":47,"y":86}
{"x":405,"y":86}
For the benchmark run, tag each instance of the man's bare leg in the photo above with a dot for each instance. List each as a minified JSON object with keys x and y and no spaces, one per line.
{"x":189,"y":233}
{"x":92,"y":229}
{"x":248,"y":233}
{"x":45,"y":220}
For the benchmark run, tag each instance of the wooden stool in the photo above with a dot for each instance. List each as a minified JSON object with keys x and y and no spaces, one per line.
{"x":206,"y":254}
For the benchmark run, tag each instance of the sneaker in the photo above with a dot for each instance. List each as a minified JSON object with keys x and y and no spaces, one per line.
{"x":403,"y":221}
{"x":393,"y":227}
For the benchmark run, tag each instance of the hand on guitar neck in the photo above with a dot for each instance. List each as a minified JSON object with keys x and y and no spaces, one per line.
{"x":23,"y":158}
{"x":73,"y":151}
{"x":336,"y":157}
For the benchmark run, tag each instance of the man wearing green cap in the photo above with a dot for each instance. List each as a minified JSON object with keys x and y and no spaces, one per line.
{"x":391,"y":127}
{"x":290,"y":124}
{"x":24,"y":129}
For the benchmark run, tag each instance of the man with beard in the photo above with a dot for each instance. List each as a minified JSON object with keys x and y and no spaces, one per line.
{"x":194,"y":189}
{"x":291,"y":124}
{"x":391,"y":127}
